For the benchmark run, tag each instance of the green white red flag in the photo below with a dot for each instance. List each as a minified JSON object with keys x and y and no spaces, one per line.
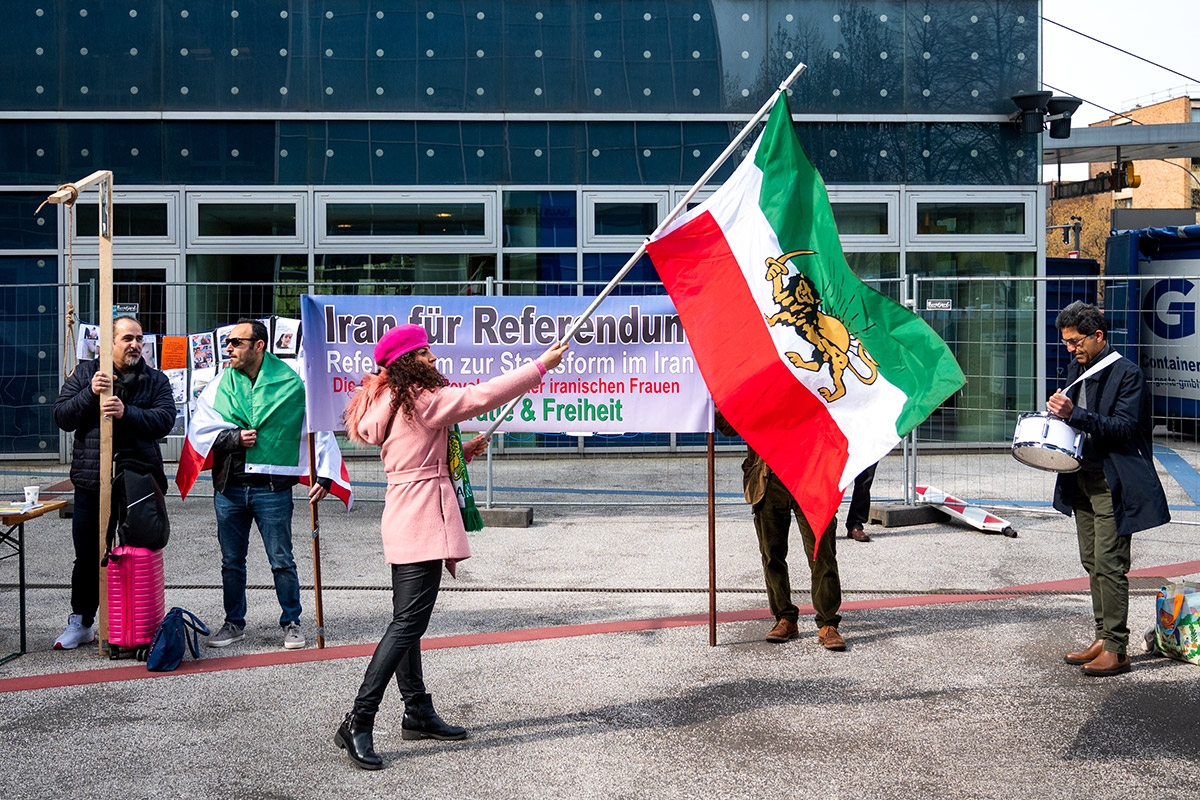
{"x":273,"y":405}
{"x":819,"y":373}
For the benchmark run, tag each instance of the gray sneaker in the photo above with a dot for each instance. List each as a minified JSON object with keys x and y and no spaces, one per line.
{"x":293,"y":639}
{"x":229,"y":634}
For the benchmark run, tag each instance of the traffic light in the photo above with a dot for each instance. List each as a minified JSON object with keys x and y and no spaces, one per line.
{"x":1128,"y":179}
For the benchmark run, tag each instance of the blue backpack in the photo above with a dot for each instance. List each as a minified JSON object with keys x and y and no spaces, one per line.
{"x":171,"y":641}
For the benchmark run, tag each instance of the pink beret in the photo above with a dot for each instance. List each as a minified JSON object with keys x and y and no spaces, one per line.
{"x":398,"y":341}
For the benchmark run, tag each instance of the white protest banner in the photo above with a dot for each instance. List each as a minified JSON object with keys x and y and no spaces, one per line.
{"x":629,"y":369}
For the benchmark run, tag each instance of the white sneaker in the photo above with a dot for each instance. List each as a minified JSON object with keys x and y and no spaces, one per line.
{"x":75,"y":634}
{"x":293,"y":639}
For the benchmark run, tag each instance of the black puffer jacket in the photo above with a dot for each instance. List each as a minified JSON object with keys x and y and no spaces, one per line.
{"x":149,"y":416}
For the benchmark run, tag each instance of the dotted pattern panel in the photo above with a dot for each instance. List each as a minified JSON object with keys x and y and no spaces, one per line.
{"x":24,"y":230}
{"x":218,"y":153}
{"x":970,"y":58}
{"x":229,"y":55}
{"x":597,"y":56}
{"x":109,"y":55}
{"x":450,"y":152}
{"x":29,"y":306}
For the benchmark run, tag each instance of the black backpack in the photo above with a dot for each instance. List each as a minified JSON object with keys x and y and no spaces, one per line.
{"x":138,"y":515}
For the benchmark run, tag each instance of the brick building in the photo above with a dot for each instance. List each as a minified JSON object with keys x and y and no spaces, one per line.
{"x":1165,"y":183}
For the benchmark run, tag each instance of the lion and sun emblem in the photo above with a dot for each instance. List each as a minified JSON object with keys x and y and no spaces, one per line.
{"x":799,"y":306}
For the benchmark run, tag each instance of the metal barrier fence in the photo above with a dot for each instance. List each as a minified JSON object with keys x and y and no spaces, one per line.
{"x":1009,"y":351}
{"x":1013,"y":358}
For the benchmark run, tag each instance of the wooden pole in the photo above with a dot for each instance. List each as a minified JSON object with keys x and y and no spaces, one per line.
{"x":316,"y":543}
{"x":104,"y":319}
{"x":712,"y":542}
{"x":67,"y":194}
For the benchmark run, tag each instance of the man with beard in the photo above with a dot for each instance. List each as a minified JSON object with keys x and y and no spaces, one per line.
{"x":143,"y":411}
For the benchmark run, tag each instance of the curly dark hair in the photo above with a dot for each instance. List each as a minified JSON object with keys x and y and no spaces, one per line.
{"x":407,"y":377}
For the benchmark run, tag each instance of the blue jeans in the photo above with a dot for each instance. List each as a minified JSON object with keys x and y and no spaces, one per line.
{"x":237,"y":507}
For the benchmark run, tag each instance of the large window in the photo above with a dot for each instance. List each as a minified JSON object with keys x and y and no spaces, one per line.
{"x":400,"y":273}
{"x":539,"y":219}
{"x":971,"y":219}
{"x":142,"y":221}
{"x":241,"y":221}
{"x":622,"y":219}
{"x":425,"y":219}
{"x":405,"y":219}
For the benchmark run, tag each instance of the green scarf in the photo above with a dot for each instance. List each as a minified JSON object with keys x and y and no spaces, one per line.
{"x":472,"y":519}
{"x":273,"y":405}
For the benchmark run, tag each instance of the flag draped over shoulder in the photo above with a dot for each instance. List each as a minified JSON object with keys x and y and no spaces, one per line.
{"x":273,"y":405}
{"x":820,"y":374}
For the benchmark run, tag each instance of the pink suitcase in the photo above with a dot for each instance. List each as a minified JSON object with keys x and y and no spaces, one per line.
{"x":136,"y":601}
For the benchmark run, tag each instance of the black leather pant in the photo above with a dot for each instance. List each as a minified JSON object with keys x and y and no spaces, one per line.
{"x":860,"y":499}
{"x":414,"y":592}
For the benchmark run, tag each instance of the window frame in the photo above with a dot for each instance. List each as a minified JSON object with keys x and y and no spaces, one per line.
{"x":608,"y":242}
{"x":488,"y":199}
{"x":848,"y":195}
{"x":966,"y":242}
{"x":131,"y":244}
{"x":247,"y":244}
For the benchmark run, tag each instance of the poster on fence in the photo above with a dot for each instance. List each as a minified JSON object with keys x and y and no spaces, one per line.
{"x":629,"y":369}
{"x":1170,"y":352}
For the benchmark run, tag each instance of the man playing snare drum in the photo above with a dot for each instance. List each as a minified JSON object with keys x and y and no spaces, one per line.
{"x":1116,"y":491}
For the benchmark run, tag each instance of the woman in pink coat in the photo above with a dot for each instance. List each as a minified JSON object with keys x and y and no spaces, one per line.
{"x":408,"y":410}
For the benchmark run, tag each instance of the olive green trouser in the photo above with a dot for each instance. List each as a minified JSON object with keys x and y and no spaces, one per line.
{"x":1106,"y":558}
{"x":772,"y":516}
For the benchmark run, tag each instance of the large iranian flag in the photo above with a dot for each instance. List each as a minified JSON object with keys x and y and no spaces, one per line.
{"x":820,"y":374}
{"x":273,"y":405}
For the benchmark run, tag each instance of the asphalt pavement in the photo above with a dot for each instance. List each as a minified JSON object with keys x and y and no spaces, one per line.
{"x":576,"y":651}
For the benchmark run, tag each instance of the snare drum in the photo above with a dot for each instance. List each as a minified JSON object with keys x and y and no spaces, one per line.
{"x":1044,"y":441}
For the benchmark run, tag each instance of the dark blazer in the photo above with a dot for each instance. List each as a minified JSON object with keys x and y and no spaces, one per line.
{"x":1119,"y":420}
{"x":149,"y":416}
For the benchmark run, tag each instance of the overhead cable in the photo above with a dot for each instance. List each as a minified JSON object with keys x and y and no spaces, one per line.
{"x":1090,"y":103}
{"x":1120,"y":50}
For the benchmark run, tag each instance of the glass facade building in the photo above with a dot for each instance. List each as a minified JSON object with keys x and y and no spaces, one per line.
{"x":264,"y":149}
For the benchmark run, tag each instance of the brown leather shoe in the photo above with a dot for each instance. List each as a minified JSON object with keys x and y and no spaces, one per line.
{"x":830,"y":639}
{"x":1107,"y":663}
{"x":783,"y":631}
{"x":1086,"y":654}
{"x":857,"y":534}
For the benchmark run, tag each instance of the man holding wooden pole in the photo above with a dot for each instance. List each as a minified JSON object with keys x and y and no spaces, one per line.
{"x":138,"y":400}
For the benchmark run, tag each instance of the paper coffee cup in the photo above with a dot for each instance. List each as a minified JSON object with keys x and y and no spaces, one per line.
{"x":31,"y":494}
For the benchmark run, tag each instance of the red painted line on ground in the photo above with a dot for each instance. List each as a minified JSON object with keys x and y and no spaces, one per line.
{"x":277,"y":658}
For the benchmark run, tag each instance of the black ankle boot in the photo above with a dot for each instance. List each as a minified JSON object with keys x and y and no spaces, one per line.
{"x":422,"y":722}
{"x":355,"y":736}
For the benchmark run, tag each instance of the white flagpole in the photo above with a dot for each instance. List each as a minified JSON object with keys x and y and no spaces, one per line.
{"x":675,"y":212}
